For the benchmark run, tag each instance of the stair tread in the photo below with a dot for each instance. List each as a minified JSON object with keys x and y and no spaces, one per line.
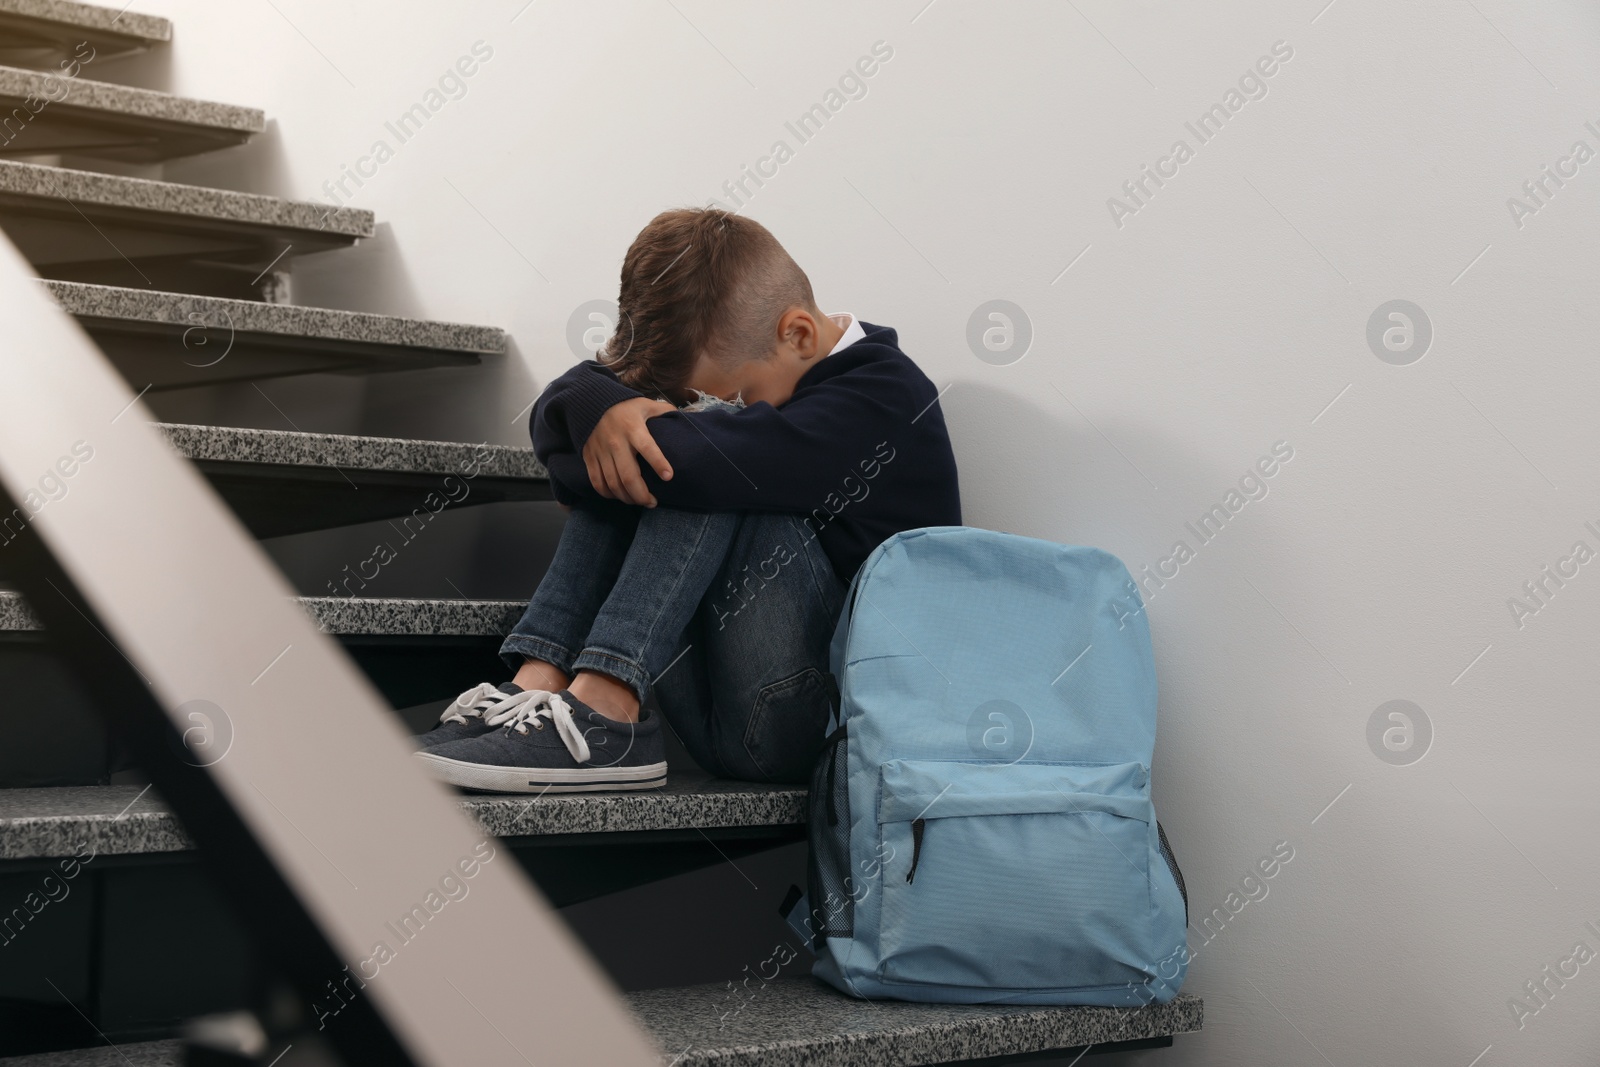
{"x":115,"y":101}
{"x":15,"y":613}
{"x":294,"y":448}
{"x":312,"y":223}
{"x":44,"y":823}
{"x":795,"y":1021}
{"x":789,"y":1022}
{"x":118,"y":303}
{"x":68,"y":15}
{"x":396,"y":616}
{"x":125,"y":1054}
{"x":282,"y":482}
{"x":366,"y":616}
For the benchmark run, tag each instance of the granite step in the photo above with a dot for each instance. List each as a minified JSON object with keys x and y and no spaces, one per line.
{"x":41,"y":32}
{"x":175,"y":340}
{"x":281,"y":482}
{"x":353,"y":616}
{"x":128,"y":820}
{"x":799,"y":1022}
{"x":417,"y":653}
{"x":101,"y":120}
{"x":76,"y":225}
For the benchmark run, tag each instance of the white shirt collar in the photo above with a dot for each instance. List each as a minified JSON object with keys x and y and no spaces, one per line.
{"x":852,"y":331}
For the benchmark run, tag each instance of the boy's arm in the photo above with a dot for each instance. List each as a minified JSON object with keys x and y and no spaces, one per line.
{"x":563,"y":422}
{"x":791,"y":459}
{"x":569,"y":408}
{"x":612,"y":455}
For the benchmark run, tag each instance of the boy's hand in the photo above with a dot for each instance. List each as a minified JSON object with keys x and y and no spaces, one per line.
{"x":618,"y":438}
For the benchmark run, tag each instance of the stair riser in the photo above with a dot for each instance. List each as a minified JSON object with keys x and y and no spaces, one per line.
{"x":145,"y":946}
{"x":67,"y":130}
{"x":274,"y":501}
{"x":151,"y":250}
{"x":193,"y":272}
{"x":179,"y":357}
{"x":51,"y":734}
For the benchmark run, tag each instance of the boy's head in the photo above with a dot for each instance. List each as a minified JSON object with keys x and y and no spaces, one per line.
{"x":711,"y":301}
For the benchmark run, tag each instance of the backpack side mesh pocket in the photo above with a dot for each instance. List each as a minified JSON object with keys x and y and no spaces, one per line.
{"x":829,"y":883}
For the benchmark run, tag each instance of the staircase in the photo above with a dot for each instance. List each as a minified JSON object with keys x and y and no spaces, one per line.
{"x":184,"y":286}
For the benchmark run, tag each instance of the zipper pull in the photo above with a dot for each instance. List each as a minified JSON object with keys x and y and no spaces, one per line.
{"x":917,"y":827}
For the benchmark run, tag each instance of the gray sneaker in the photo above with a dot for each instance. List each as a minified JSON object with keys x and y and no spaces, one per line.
{"x":477,"y":711}
{"x":556,"y":745}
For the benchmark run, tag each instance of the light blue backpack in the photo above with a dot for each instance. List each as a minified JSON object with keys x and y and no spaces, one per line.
{"x":980,"y":819}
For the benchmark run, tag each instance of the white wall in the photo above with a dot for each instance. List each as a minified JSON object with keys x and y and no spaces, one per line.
{"x":1223,"y":317}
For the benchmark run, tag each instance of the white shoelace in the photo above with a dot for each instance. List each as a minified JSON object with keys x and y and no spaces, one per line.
{"x":488,"y":703}
{"x":556,"y":710}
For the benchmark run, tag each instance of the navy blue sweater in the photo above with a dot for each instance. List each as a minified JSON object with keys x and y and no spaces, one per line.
{"x":860,"y":450}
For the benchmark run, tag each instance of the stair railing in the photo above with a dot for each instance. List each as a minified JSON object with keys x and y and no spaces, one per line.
{"x":356,"y":873}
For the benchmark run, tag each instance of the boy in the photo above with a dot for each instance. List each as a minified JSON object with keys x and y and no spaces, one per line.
{"x":710,"y":542}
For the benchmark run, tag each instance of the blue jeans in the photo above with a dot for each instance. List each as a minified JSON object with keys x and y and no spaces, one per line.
{"x":726,"y":616}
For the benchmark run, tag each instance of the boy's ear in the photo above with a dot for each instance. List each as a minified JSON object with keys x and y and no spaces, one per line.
{"x":798,"y":326}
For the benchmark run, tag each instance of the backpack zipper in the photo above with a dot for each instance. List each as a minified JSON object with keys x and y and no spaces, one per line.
{"x":917,"y":828}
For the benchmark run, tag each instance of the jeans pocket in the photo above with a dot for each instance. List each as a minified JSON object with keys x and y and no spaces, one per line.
{"x":787,"y":726}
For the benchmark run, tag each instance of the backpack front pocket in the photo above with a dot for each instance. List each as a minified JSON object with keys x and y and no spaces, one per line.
{"x":1014,"y":876}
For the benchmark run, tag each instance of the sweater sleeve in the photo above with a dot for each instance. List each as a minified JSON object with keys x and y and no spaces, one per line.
{"x":796,"y":458}
{"x":563,"y":418}
{"x":570,"y":407}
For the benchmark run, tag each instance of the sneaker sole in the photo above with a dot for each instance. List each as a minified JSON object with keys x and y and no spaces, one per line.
{"x":493,"y":779}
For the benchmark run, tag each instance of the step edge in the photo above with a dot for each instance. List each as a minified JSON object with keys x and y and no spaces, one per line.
{"x":572,"y":813}
{"x":490,"y":340}
{"x":17,"y":617}
{"x":1184,"y":1005}
{"x":183,"y":437}
{"x":158,"y":30}
{"x":97,"y":188}
{"x":240,"y":118}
